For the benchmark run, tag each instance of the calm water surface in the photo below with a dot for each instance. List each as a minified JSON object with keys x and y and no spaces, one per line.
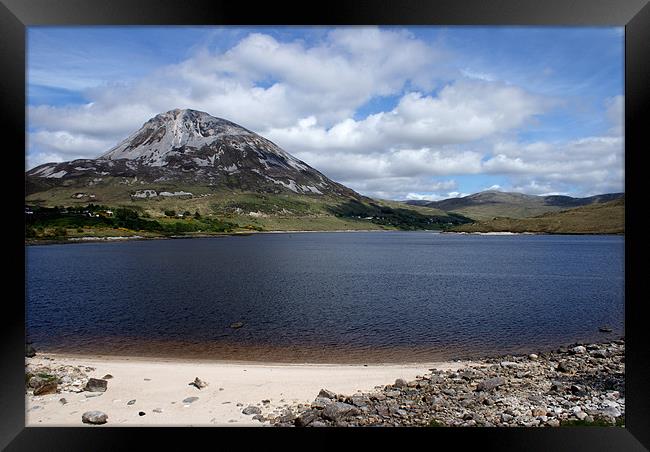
{"x":326,"y":297}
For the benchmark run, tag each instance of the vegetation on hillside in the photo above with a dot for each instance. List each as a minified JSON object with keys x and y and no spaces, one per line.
{"x":602,"y":218}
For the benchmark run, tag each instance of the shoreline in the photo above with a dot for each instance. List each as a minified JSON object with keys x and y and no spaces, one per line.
{"x":556,"y":386}
{"x":161,"y":389}
{"x":118,"y":239}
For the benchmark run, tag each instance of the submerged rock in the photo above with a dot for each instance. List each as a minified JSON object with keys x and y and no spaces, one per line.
{"x":236,"y":325}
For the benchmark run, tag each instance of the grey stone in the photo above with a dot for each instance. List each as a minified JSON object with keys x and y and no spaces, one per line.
{"x":250,"y":409}
{"x":130,"y":402}
{"x":96,"y":385}
{"x":490,"y":384}
{"x":327,"y":394}
{"x":339,"y":410}
{"x":198,"y":383}
{"x":94,"y":417}
{"x":321,"y":402}
{"x":401,"y":383}
{"x":190,"y":399}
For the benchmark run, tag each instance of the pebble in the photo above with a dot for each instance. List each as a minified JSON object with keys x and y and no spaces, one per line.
{"x":534,"y":390}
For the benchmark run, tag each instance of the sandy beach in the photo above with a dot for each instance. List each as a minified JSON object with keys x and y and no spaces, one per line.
{"x":159,"y":388}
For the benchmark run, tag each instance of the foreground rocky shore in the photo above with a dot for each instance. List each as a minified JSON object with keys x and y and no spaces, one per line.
{"x":576,"y":385}
{"x":580,"y":384}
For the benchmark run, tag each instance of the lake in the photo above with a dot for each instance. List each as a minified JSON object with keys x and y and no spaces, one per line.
{"x":326,"y":297}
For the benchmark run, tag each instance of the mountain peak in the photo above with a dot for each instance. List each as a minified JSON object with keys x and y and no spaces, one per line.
{"x":167,"y":132}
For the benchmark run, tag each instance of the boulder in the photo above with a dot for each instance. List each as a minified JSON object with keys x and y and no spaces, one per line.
{"x":307,"y":418}
{"x":94,"y":417}
{"x":96,"y":385}
{"x":46,"y":388}
{"x":400,"y":383}
{"x":250,"y":409}
{"x":30,"y":351}
{"x":324,"y":393}
{"x":338,"y":411}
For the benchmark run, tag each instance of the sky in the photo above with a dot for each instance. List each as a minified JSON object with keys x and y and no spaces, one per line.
{"x":392,"y":112}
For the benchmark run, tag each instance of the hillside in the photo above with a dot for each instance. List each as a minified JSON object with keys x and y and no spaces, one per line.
{"x":489,"y":204}
{"x":598,"y":218}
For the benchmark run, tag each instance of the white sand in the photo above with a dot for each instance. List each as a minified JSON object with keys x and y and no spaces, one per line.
{"x":243,"y":383}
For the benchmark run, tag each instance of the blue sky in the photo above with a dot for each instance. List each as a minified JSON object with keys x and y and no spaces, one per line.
{"x":393,"y":112}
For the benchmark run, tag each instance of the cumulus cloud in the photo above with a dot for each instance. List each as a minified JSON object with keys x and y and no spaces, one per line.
{"x":434,"y":122}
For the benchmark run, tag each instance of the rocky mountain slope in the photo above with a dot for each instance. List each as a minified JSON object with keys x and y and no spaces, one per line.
{"x":188,"y":148}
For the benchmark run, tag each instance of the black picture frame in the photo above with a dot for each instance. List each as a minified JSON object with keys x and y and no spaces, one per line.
{"x":16,"y":15}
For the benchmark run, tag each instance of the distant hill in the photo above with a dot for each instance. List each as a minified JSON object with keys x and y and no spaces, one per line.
{"x":606,"y":217}
{"x":492,"y":203}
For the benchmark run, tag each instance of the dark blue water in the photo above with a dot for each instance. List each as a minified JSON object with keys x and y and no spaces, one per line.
{"x":326,"y":297}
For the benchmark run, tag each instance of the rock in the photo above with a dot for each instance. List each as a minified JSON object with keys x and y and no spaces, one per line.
{"x":96,"y":385}
{"x":250,"y":409}
{"x":533,"y":356}
{"x":605,"y":329}
{"x":553,"y":423}
{"x":46,"y":388}
{"x":400,"y":383}
{"x":393,"y":394}
{"x":339,"y":410}
{"x":63,"y":401}
{"x":259,"y":417}
{"x":581,"y":415}
{"x":324,"y":393}
{"x":190,"y":399}
{"x":198,"y":383}
{"x":30,"y":351}
{"x":579,"y":350}
{"x":94,"y":417}
{"x":141,"y":413}
{"x":157,"y":410}
{"x":107,"y":377}
{"x":321,"y":402}
{"x":490,"y":384}
{"x":236,"y":325}
{"x":611,"y":411}
{"x":130,"y":402}
{"x":307,"y":418}
{"x":598,"y":354}
{"x":509,"y":364}
{"x":538,"y":412}
{"x":563,"y":366}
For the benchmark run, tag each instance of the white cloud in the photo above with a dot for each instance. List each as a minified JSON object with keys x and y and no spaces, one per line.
{"x":307,"y":97}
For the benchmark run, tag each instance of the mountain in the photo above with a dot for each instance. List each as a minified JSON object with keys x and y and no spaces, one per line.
{"x":189,"y":148}
{"x":606,"y":217}
{"x":492,"y":203}
{"x":188,"y":162}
